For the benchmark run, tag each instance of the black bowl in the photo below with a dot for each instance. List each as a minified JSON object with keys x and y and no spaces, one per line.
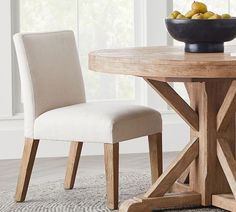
{"x":202,"y":36}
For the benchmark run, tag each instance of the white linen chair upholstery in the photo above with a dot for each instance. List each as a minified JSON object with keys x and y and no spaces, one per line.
{"x":55,"y":108}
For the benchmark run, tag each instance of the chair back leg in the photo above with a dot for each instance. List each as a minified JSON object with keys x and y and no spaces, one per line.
{"x":27,"y":162}
{"x":111,"y":156}
{"x":72,"y":164}
{"x":155,"y":152}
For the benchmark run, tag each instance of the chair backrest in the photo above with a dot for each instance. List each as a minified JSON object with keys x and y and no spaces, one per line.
{"x":50,"y":73}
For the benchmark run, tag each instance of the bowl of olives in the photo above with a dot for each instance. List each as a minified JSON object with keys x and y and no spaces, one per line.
{"x":201,"y":30}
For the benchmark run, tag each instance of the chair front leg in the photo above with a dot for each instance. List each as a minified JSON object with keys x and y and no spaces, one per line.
{"x":72,"y":165}
{"x":155,"y":152}
{"x":27,"y":162}
{"x":111,"y":156}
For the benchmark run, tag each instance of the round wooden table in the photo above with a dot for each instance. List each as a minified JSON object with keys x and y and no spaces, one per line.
{"x":204,"y":173}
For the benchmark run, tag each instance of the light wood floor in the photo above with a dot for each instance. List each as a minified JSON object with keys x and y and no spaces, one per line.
{"x":49,"y":169}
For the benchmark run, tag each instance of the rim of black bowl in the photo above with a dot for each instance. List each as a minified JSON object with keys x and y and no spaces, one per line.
{"x":192,"y":20}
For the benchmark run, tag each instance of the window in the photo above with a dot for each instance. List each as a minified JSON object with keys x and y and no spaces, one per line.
{"x":97,"y":24}
{"x":106,"y":24}
{"x":47,"y":15}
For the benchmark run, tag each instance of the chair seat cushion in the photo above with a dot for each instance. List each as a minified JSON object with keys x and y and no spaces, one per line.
{"x":106,"y":122}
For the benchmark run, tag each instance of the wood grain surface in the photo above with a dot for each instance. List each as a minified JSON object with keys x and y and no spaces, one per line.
{"x":165,"y":62}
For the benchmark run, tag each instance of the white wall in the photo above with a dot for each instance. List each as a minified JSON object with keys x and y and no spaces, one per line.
{"x":175,"y":134}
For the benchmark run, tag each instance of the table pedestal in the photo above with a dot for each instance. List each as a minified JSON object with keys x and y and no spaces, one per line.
{"x":210,"y":154}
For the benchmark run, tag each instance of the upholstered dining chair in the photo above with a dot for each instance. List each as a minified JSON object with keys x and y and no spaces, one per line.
{"x":55,"y":108}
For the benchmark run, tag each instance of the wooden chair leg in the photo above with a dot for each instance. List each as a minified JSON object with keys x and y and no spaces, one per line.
{"x":72,"y":165}
{"x":27,"y":162}
{"x":155,"y":152}
{"x":112,"y":174}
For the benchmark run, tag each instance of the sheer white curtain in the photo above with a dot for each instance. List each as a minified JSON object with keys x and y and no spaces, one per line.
{"x":97,"y":24}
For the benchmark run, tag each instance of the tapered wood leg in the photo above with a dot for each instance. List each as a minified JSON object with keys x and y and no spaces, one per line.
{"x":72,"y":165}
{"x":27,"y":162}
{"x":112,"y":174}
{"x":155,"y":152}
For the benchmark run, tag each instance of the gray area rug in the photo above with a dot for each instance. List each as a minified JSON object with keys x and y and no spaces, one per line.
{"x":87,"y":196}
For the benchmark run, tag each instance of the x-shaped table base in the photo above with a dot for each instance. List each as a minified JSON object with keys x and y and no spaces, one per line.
{"x":210,"y":156}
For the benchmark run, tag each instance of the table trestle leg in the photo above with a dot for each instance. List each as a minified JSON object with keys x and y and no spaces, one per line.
{"x":184,"y":178}
{"x":211,"y":118}
{"x":174,"y":171}
{"x":170,"y":200}
{"x":224,"y":201}
{"x":176,"y":102}
{"x":158,"y":197}
{"x":228,"y":163}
